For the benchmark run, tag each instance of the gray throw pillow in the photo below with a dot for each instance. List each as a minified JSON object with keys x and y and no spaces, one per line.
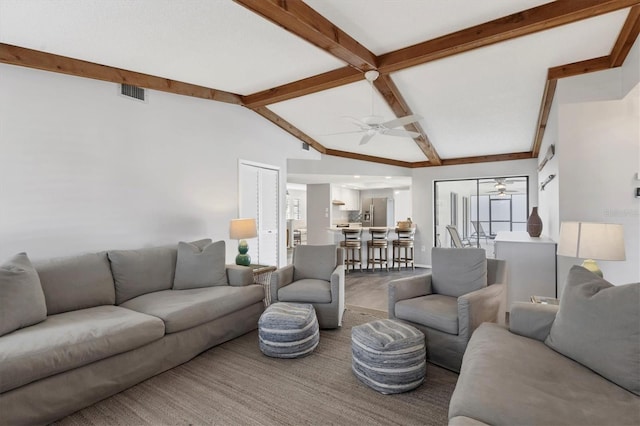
{"x":456,"y":271}
{"x":22,"y":301}
{"x":199,"y":266}
{"x":598,"y":325}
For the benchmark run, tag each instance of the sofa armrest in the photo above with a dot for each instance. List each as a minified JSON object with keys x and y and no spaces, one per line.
{"x":532,"y":320}
{"x":479,"y":306}
{"x":407,"y":288}
{"x":238,"y":275}
{"x":280,"y":278}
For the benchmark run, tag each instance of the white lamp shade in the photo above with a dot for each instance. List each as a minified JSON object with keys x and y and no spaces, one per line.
{"x":239,"y":229}
{"x":586,"y":240}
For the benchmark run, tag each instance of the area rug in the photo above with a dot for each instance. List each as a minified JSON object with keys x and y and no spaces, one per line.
{"x":234,"y":384}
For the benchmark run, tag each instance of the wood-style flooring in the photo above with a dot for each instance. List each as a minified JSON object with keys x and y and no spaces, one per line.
{"x":369,"y":290}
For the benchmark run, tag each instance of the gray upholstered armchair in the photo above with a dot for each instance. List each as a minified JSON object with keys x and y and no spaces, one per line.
{"x":463,"y":290}
{"x":317,"y":277}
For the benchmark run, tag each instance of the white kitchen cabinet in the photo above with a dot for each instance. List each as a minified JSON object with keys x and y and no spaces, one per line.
{"x":531,"y":265}
{"x":350,"y":197}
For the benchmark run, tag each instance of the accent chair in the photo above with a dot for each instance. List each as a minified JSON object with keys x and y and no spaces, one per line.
{"x":315,"y":276}
{"x":463,"y":290}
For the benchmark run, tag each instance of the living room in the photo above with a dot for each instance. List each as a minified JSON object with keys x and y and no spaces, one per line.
{"x":85,"y":169}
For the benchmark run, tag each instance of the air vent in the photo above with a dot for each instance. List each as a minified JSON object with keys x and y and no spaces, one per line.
{"x":132,"y":92}
{"x":305,"y":146}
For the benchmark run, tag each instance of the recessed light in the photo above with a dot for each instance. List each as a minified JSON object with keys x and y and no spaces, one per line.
{"x":356,"y":176}
{"x":387,"y":177}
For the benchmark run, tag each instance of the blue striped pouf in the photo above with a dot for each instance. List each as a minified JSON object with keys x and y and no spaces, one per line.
{"x":288,"y":330}
{"x":388,"y":355}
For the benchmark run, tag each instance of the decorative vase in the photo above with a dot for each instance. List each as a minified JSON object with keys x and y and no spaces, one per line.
{"x":534,"y":224}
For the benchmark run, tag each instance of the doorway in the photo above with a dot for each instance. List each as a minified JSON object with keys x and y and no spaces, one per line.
{"x":489,"y":206}
{"x":258,"y":187}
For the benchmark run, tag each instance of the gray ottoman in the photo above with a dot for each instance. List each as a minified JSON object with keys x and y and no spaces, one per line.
{"x":288,"y":330}
{"x":388,"y":355}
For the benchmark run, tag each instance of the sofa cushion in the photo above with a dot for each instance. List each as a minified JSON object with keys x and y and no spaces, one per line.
{"x":455,"y":272}
{"x":307,"y":290}
{"x":70,"y":340}
{"x":142,"y":271}
{"x":77,"y":282}
{"x":199,"y":266}
{"x":598,"y":325}
{"x":183,"y":309}
{"x":508,"y":379}
{"x":22,"y":301}
{"x":317,"y":262}
{"x":434,"y":311}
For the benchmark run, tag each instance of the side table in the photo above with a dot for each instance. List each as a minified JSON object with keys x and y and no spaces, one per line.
{"x":262,"y":275}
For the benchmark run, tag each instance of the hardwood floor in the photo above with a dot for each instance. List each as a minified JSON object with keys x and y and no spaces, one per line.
{"x":369,"y":289}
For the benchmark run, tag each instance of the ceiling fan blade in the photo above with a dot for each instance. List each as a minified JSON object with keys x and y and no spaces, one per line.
{"x":401,"y":121}
{"x":367,"y":137}
{"x":400,"y":133}
{"x":359,"y":123}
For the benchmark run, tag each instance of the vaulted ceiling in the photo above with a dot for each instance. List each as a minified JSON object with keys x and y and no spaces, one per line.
{"x":481,"y":74}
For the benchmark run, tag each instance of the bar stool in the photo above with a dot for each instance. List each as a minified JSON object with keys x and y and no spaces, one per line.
{"x":352,"y":244}
{"x":404,"y":241}
{"x":380,"y":243}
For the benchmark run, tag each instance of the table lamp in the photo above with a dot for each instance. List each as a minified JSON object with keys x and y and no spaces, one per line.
{"x":589,"y":241}
{"x":239,"y":229}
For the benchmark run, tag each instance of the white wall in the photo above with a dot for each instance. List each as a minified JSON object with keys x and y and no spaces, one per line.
{"x":599,"y":158}
{"x":594,"y":124}
{"x":83,"y":169}
{"x":402,"y":204}
{"x":422,"y":191}
{"x":318,"y":214}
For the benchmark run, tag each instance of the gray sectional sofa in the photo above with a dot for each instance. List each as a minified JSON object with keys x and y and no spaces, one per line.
{"x":577,"y":364}
{"x":74,"y":331}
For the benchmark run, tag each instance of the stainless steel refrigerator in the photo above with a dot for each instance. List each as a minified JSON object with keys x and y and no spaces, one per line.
{"x":377,"y":212}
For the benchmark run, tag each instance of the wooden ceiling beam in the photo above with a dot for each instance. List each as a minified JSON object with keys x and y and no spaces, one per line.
{"x":298,"y":18}
{"x":307,"y":86}
{"x":487,"y":158}
{"x":626,"y":38}
{"x":519,"y":24}
{"x":578,"y":68}
{"x":29,"y":58}
{"x":391,"y":94}
{"x":543,"y":115}
{"x":289,"y":128}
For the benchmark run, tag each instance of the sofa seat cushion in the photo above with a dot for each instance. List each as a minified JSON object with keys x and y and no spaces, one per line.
{"x":507,"y":379}
{"x":70,"y":340}
{"x":184,"y":309}
{"x":307,"y":290}
{"x":434,"y":311}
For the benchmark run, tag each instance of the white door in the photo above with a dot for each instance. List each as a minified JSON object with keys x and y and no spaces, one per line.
{"x":258,"y":186}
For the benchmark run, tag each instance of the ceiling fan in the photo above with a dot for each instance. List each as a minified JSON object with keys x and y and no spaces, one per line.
{"x":501,"y":186}
{"x":375,"y":125}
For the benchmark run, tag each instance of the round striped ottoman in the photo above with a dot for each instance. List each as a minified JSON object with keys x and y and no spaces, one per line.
{"x":388,"y":355}
{"x":288,"y":330}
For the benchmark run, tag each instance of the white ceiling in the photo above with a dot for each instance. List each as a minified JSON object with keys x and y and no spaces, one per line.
{"x":481,"y":102}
